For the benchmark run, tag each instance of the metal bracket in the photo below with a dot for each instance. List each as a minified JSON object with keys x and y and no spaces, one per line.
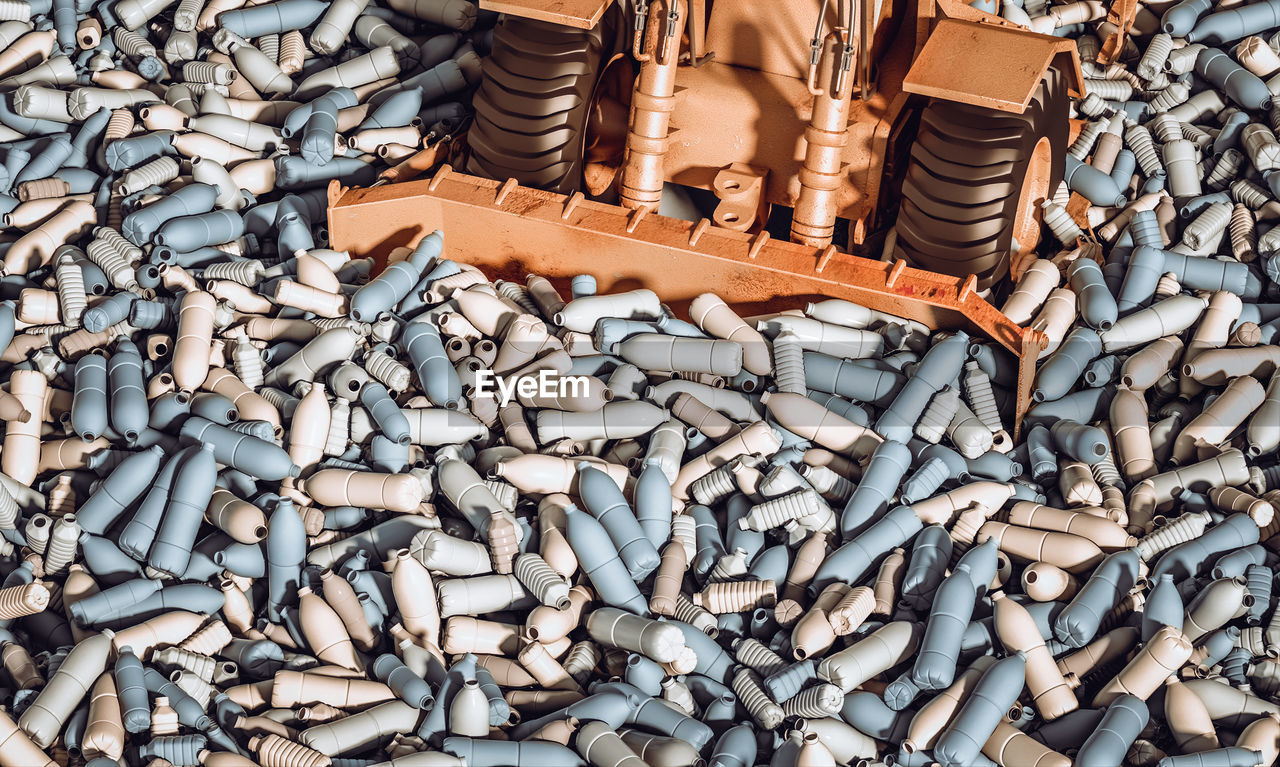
{"x":740,"y":188}
{"x":1121,"y":14}
{"x":696,"y":62}
{"x":696,"y":29}
{"x":637,"y":35}
{"x":1033,"y":342}
{"x":1078,"y":208}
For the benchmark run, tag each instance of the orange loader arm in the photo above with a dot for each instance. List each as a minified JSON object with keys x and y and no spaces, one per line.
{"x":510,"y":231}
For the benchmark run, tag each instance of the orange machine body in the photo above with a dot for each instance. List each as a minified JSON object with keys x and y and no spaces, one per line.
{"x":741,"y":124}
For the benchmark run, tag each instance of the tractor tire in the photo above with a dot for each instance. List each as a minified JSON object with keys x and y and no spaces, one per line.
{"x":975,"y":181}
{"x":532,"y":106}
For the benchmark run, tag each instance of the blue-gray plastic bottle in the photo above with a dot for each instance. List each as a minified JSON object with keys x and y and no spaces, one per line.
{"x":128,"y":413}
{"x":436,"y":374}
{"x":286,"y":550}
{"x":653,"y":501}
{"x":321,"y":127}
{"x":1191,"y":557}
{"x":735,"y":748}
{"x":599,"y":560}
{"x":135,"y":707}
{"x":1059,"y":373}
{"x":106,"y":313}
{"x":385,"y":291}
{"x":137,"y":536}
{"x":997,"y":690}
{"x":193,"y":199}
{"x":935,"y":664}
{"x":880,"y":480}
{"x":124,"y":485}
{"x":853,"y":561}
{"x":1079,"y":621}
{"x":193,"y":486}
{"x":408,"y":686}
{"x":253,"y":456}
{"x":271,"y":18}
{"x":601,"y":496}
{"x":938,"y":368}
{"x":186,"y":233}
{"x":1097,"y":305}
{"x":385,"y":412}
{"x":926,"y":567}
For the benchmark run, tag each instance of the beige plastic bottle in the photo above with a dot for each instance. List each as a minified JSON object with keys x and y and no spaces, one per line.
{"x":273,"y":749}
{"x":1145,"y":366}
{"x":1102,"y":531}
{"x":479,"y":595}
{"x":1212,"y":332}
{"x":811,"y":420}
{"x":669,"y":581}
{"x":1077,"y":485}
{"x":465,"y":634}
{"x":1213,"y":606}
{"x":375,"y":490}
{"x":251,"y":405}
{"x":300,"y":688}
{"x":710,"y":313}
{"x":1229,"y":469}
{"x":195,"y":334}
{"x":942,"y":509}
{"x":553,"y":542}
{"x":1262,"y":734}
{"x":1111,"y":646}
{"x":1070,"y":552}
{"x":1044,"y":582}
{"x":17,"y":749}
{"x":104,"y":733}
{"x":20,"y":666}
{"x":1017,"y":630}
{"x":415,"y":596}
{"x":1224,"y":701}
{"x":543,"y":667}
{"x":20,"y":455}
{"x":582,"y":313}
{"x":325,"y":632}
{"x":937,"y":712}
{"x":44,"y":719}
{"x":1033,"y":288}
{"x":885,"y":648}
{"x":812,"y":633}
{"x":548,"y":624}
{"x":20,"y":601}
{"x":852,"y":610}
{"x":469,"y":711}
{"x":1214,"y":367}
{"x":1214,"y":424}
{"x":1232,"y":499}
{"x":550,"y":474}
{"x":1187,"y":718}
{"x":355,"y":733}
{"x":1010,"y":747}
{"x":1132,"y":433}
{"x":601,"y":746}
{"x":440,"y":552}
{"x":309,"y":429}
{"x":808,"y":558}
{"x":238,"y":518}
{"x":171,"y":628}
{"x":1159,"y":658}
{"x":758,"y":438}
